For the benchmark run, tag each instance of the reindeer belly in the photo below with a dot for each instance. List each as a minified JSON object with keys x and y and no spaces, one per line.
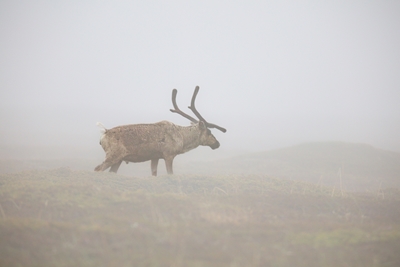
{"x":141,"y":153}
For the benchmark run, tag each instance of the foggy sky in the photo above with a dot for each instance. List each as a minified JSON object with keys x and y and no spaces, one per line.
{"x":274,"y":73}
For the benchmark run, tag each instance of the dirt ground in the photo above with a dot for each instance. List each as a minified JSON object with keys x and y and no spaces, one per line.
{"x":62,"y":217}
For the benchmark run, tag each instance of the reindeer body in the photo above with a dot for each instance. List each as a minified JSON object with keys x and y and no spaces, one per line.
{"x":161,"y":140}
{"x":144,"y":142}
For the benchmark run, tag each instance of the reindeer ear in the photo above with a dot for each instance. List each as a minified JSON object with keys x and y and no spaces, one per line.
{"x":202,"y":125}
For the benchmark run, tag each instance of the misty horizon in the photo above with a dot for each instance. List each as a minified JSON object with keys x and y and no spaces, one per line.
{"x":273,"y":74}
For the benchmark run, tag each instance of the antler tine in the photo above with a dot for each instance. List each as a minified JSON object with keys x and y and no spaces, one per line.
{"x":194,"y":110}
{"x":193,"y":107}
{"x":177,"y":110}
{"x":211,"y":125}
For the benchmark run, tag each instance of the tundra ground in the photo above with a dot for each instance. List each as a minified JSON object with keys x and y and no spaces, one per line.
{"x":62,"y":217}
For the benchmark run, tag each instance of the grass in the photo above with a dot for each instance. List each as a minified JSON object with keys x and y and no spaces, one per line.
{"x":355,"y":167}
{"x":62,"y":217}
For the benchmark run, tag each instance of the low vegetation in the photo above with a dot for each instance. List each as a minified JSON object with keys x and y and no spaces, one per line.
{"x":354,"y":167}
{"x":62,"y":217}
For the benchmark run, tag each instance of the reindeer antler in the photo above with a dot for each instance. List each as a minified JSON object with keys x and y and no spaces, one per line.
{"x":177,"y":110}
{"x":192,"y":107}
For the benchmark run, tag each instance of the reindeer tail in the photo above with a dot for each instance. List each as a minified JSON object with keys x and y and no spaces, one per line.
{"x":104,"y":129}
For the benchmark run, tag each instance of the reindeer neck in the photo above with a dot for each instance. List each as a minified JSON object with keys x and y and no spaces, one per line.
{"x":190,"y":137}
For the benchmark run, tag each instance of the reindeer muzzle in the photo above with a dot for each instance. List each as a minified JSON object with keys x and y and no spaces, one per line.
{"x":215,"y":145}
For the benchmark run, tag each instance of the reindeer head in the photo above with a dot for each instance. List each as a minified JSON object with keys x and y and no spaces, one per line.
{"x":206,"y":137}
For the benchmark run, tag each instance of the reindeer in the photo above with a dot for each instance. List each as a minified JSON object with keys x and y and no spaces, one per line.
{"x":161,"y":140}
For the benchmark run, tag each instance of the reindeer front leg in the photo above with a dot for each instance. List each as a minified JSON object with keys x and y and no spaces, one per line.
{"x":154,"y":164}
{"x":168,"y":163}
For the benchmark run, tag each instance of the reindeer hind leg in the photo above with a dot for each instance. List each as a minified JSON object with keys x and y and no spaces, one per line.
{"x":110,"y":161}
{"x":104,"y":166}
{"x":115,"y":167}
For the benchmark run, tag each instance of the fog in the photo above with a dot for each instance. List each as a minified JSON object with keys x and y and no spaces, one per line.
{"x":274,"y":74}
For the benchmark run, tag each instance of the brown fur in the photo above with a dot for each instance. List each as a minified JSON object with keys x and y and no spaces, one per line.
{"x":143,"y":142}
